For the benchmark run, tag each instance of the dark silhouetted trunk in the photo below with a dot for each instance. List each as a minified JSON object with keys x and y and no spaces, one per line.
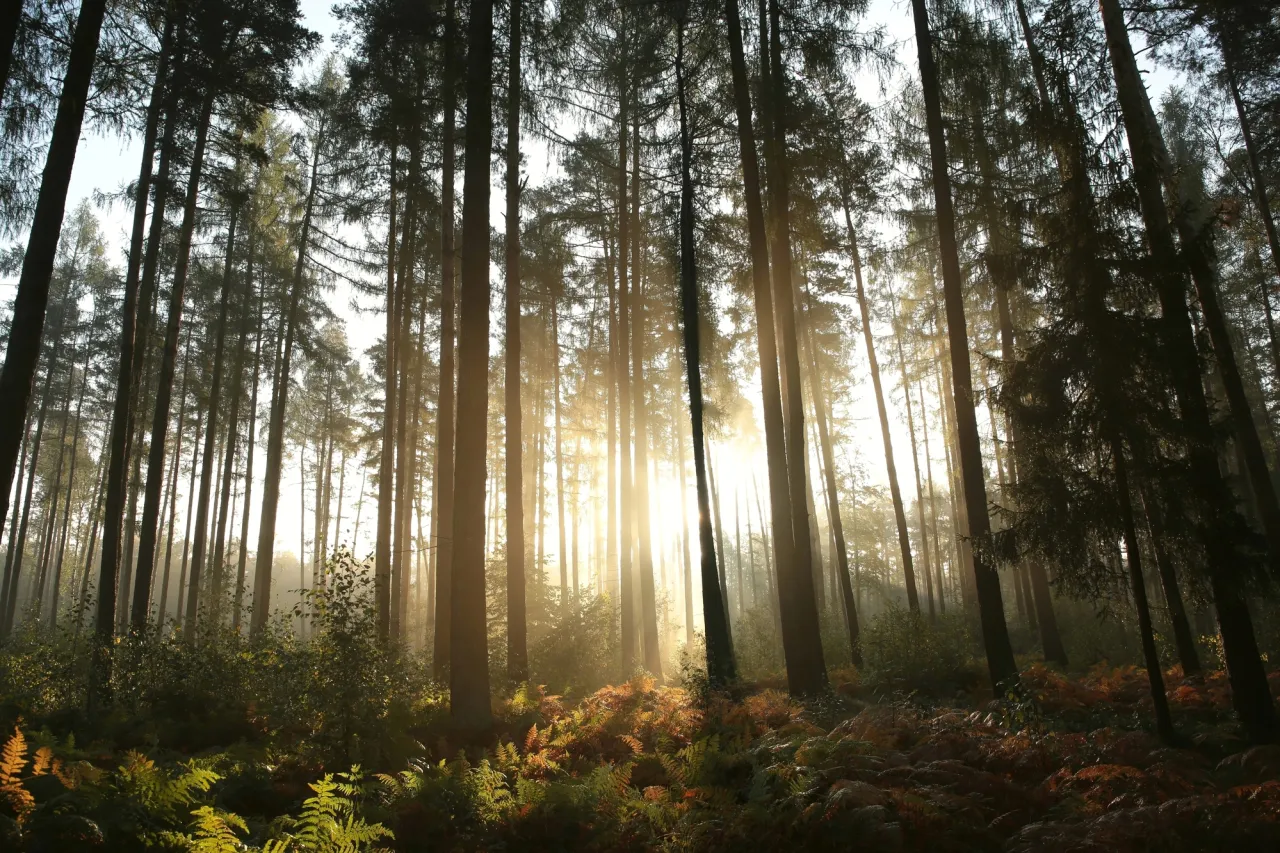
{"x":148,"y":534}
{"x":209,"y":458}
{"x":1138,"y":589}
{"x":721,"y":669}
{"x":995,"y":633}
{"x":26,"y":326}
{"x":469,"y":665}
{"x":517,"y":646}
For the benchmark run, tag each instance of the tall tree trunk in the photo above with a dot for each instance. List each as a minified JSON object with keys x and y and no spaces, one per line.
{"x":147,"y":537}
{"x":644,"y":553}
{"x":71,"y":481}
{"x":626,"y":507}
{"x":162,"y":609}
{"x":469,"y":668}
{"x":275,"y":435}
{"x":132,"y":338}
{"x":561,"y":555}
{"x":1251,"y":694}
{"x":386,"y":466}
{"x":895,"y":492}
{"x":210,"y":434}
{"x":26,"y":327}
{"x":517,"y":645}
{"x":1184,"y":640}
{"x":678,"y":435}
{"x":1151,"y":169}
{"x":251,"y":441}
{"x":191,"y":503}
{"x":13,"y":571}
{"x":404,"y":346}
{"x":811,"y":671}
{"x":833,"y":501}
{"x":1138,"y":588}
{"x":799,"y":673}
{"x":721,"y":668}
{"x":995,"y":633}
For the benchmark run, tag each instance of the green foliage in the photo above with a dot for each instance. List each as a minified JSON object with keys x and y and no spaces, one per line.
{"x":903,"y":651}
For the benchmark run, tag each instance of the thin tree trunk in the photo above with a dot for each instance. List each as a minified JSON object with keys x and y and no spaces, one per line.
{"x":164,"y":389}
{"x":517,"y":646}
{"x":630,"y":636}
{"x":644,"y":553}
{"x":678,"y":435}
{"x":833,"y":501}
{"x":1138,"y":588}
{"x":721,"y":669}
{"x":207,"y":471}
{"x":995,"y":633}
{"x":899,"y":513}
{"x":162,"y":609}
{"x":275,"y":436}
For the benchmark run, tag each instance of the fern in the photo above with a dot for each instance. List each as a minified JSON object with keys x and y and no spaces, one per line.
{"x":328,"y":823}
{"x":12,"y":759}
{"x":214,"y":831}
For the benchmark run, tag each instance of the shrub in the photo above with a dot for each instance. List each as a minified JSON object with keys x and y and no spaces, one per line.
{"x":903,"y":651}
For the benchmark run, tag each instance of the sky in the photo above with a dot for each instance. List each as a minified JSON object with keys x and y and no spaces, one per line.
{"x":106,"y":163}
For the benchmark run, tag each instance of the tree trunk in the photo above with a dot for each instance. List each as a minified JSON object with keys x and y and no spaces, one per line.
{"x":1138,"y":588}
{"x":517,"y":646}
{"x":469,"y":668}
{"x":721,"y":669}
{"x":132,"y":339}
{"x":833,"y":502}
{"x":26,"y":327}
{"x":630,"y":637}
{"x":164,"y":389}
{"x":678,"y":435}
{"x":191,"y":502}
{"x":162,"y":609}
{"x":899,"y":513}
{"x":799,"y":669}
{"x":644,"y":553}
{"x":811,"y":673}
{"x":275,"y":435}
{"x":561,"y":555}
{"x":404,"y":346}
{"x":207,"y":470}
{"x":995,"y":634}
{"x":386,"y":466}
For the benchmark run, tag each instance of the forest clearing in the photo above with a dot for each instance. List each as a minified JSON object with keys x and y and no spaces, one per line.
{"x":639,"y":425}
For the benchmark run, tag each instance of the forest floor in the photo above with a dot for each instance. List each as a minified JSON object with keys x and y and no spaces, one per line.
{"x":639,"y":766}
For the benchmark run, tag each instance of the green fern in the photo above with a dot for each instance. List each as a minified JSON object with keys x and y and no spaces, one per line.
{"x":214,"y":831}
{"x":328,"y":823}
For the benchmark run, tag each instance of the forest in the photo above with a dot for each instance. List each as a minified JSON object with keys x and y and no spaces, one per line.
{"x":639,"y":425}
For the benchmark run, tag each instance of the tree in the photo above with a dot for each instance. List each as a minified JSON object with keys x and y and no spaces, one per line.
{"x":468,"y":668}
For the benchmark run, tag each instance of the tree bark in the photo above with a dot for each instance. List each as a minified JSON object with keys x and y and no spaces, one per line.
{"x":995,"y":633}
{"x":17,"y":377}
{"x":147,"y":538}
{"x":811,"y":671}
{"x":469,"y":669}
{"x":721,"y":668}
{"x":275,"y":435}
{"x":517,"y":646}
